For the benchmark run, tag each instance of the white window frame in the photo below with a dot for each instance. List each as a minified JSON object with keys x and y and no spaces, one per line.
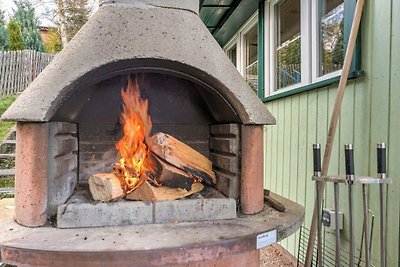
{"x":239,"y":39}
{"x":229,"y":45}
{"x":309,"y":29}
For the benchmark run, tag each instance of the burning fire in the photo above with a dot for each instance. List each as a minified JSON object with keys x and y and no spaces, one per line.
{"x":137,"y":125}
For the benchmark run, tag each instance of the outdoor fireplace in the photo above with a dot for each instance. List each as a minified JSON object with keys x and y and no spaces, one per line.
{"x":69,"y":122}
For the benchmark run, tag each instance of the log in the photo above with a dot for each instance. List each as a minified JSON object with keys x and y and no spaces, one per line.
{"x":169,"y":175}
{"x":147,"y":192}
{"x":105,"y":187}
{"x":182,"y":156}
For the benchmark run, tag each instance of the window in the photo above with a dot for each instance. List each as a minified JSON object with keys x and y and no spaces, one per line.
{"x":251,"y":57}
{"x":331,"y":26}
{"x":242,"y":50}
{"x":232,"y":54}
{"x":304,"y":42}
{"x":288,"y":44}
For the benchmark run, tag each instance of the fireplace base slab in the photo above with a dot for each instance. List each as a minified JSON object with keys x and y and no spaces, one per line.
{"x":178,"y":244}
{"x":82,"y":211}
{"x":104,"y":214}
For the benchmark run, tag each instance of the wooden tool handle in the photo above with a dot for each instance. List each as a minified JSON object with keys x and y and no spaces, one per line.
{"x":275,"y":204}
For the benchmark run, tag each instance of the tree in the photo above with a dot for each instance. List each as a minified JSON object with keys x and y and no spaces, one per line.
{"x":24,"y":16}
{"x":53,"y":43}
{"x":3,"y":33}
{"x":62,"y":22}
{"x":76,"y":15}
{"x":14,"y":32}
{"x":68,"y":15}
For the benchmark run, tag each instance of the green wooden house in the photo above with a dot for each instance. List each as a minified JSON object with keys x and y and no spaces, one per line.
{"x":291,"y":53}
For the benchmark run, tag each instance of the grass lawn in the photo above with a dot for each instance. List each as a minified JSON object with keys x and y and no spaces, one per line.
{"x":5,"y":125}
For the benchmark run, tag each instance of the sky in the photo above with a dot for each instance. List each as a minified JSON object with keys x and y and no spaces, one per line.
{"x":42,"y":8}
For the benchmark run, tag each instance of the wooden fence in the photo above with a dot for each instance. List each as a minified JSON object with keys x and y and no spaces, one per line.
{"x":19,"y":68}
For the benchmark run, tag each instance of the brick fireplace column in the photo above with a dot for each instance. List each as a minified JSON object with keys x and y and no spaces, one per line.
{"x":31,"y":171}
{"x":252,"y":182}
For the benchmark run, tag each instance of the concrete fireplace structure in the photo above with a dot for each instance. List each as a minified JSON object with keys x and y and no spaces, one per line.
{"x":68,"y":123}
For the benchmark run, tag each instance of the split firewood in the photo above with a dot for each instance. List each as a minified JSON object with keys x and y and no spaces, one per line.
{"x":119,"y":172}
{"x":169,"y":175}
{"x":182,"y":156}
{"x":105,"y":187}
{"x":147,"y":192}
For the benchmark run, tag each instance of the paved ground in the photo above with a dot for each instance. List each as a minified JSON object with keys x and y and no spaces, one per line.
{"x":6,"y":207}
{"x":276,"y":256}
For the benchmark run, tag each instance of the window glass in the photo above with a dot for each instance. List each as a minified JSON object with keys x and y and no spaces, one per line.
{"x":331,"y":36}
{"x":232,"y":54}
{"x":288,"y":50}
{"x":251,"y":58}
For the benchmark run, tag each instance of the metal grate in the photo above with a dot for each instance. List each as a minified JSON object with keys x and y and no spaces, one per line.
{"x":328,"y":252}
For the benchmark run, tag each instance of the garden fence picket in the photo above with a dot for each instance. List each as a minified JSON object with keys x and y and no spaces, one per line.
{"x":19,"y":68}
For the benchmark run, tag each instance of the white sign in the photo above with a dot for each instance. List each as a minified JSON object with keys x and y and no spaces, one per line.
{"x":266,"y":239}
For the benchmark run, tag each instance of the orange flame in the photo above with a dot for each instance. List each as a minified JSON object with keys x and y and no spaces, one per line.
{"x":137,"y":125}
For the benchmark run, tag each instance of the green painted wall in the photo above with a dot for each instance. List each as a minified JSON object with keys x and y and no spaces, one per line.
{"x":370,"y":114}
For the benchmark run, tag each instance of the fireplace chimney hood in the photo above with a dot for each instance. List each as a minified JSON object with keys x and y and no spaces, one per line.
{"x":125,"y":36}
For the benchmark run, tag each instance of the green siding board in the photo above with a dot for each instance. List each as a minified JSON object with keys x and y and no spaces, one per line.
{"x":267,"y":157}
{"x":346,"y":128}
{"x":311,"y":139}
{"x":286,"y":149}
{"x":361,"y":140}
{"x":335,"y":156}
{"x":380,"y":98}
{"x":294,"y":170}
{"x":269,"y":165}
{"x":302,"y":161}
{"x":274,"y":148}
{"x":286,"y":154}
{"x":334,"y":162}
{"x":294,"y":149}
{"x":361,"y":128}
{"x":292,"y":166}
{"x":362,"y":115}
{"x":393,"y":214}
{"x":344,"y":136}
{"x":280,"y":148}
{"x":322,"y":121}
